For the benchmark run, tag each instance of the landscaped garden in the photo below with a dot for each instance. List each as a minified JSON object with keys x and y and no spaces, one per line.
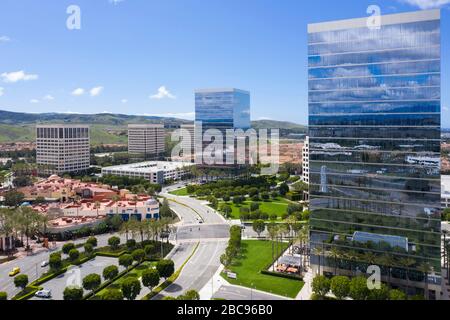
{"x":180,"y":192}
{"x":254,"y":257}
{"x":277,"y":206}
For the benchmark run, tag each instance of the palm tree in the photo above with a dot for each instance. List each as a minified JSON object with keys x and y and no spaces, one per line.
{"x":388,"y":261}
{"x":407,"y":263}
{"x":335,"y":254}
{"x":425,"y":268}
{"x":319,"y":251}
{"x":273,"y":232}
{"x":124,"y":229}
{"x":351,"y":256}
{"x":97,"y":206}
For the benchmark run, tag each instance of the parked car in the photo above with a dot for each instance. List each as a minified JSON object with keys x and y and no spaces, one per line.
{"x":14,"y":271}
{"x":43,"y":294}
{"x":44,"y":263}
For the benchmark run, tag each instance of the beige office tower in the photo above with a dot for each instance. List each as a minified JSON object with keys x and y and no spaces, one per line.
{"x":62,"y":148}
{"x":146,"y":140}
{"x":188,"y":142}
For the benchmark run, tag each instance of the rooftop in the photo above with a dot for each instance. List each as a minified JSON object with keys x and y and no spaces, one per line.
{"x":150,"y":166}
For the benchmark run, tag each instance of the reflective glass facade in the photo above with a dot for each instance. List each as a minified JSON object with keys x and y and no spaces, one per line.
{"x":374,"y":127}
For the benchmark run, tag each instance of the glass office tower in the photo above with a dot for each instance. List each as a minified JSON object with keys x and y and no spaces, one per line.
{"x":222,"y":109}
{"x":374,"y":127}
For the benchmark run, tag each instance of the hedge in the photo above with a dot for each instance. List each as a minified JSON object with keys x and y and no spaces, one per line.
{"x":282,"y":275}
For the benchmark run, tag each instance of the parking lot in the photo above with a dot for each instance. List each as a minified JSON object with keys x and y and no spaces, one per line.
{"x":75,"y":275}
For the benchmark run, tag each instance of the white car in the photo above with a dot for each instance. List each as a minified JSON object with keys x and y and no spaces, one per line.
{"x":43,"y":294}
{"x":44,"y":264}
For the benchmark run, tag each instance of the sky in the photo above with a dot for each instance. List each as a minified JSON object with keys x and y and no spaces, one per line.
{"x":146,"y":57}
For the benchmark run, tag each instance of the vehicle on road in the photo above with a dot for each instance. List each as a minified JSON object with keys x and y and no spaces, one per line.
{"x":44,"y":263}
{"x":201,"y":221}
{"x":43,"y":294}
{"x":14,"y":271}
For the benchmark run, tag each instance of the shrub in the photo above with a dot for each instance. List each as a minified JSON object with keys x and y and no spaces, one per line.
{"x":21,"y":281}
{"x":126,"y":260}
{"x":74,"y":254}
{"x":114,"y":242}
{"x":73,"y":293}
{"x":273,"y":216}
{"x":254,"y":206}
{"x":88,"y":248}
{"x":112,"y":294}
{"x":321,"y":286}
{"x":396,"y":294}
{"x":358,"y":288}
{"x":54,"y":261}
{"x":379,"y":294}
{"x":110,"y":272}
{"x":150,"y":278}
{"x":3,"y":295}
{"x":67,"y":247}
{"x":190,"y":295}
{"x":274,"y":194}
{"x":91,"y":282}
{"x":131,"y":244}
{"x":150,"y":249}
{"x":165,"y":268}
{"x":138,"y":255}
{"x":340,"y":286}
{"x":255,"y":198}
{"x":131,"y":287}
{"x":92,"y":241}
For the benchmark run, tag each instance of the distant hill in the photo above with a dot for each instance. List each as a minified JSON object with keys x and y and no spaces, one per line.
{"x":106,"y":128}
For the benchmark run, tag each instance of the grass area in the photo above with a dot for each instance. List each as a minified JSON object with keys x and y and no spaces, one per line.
{"x":277,"y":206}
{"x":256,"y":256}
{"x":135,"y":273}
{"x":180,"y":192}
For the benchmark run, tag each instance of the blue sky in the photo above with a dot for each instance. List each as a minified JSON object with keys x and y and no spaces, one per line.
{"x":147,"y":57}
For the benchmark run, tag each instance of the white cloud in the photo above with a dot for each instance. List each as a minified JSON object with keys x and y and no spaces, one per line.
{"x":78,"y":92}
{"x":16,"y":76}
{"x":124,"y":101}
{"x":4,"y":39}
{"x":96,"y":91}
{"x":182,"y":115}
{"x":34,"y":101}
{"x":162,"y":93}
{"x":49,"y":97}
{"x":426,"y":4}
{"x":116,"y":1}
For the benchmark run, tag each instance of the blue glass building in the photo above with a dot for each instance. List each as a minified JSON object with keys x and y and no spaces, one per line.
{"x":374,"y":127}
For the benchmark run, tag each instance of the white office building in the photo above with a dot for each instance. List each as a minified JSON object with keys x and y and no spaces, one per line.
{"x":445,"y":192}
{"x":154,"y":171}
{"x":63,"y":148}
{"x":187,"y":142}
{"x":146,"y":139}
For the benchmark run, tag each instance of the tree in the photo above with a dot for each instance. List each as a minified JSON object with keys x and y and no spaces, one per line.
{"x":227,"y":210}
{"x":254,"y":206}
{"x":138,"y":255}
{"x":272,"y":229}
{"x":91,"y":282}
{"x":131,"y":244}
{"x":379,"y":294}
{"x":110,"y":272}
{"x":112,"y":294}
{"x":74,"y":254}
{"x":425,"y":268}
{"x":340,"y":287}
{"x":88,"y":248}
{"x":13,"y":198}
{"x":131,"y":287}
{"x":165,"y":211}
{"x":358,"y":288}
{"x":165,"y":268}
{"x":73,"y":293}
{"x":396,"y":294}
{"x":3,"y":296}
{"x":67,"y":247}
{"x":149,"y":249}
{"x":21,"y":281}
{"x":114,"y":243}
{"x":321,"y":286}
{"x":150,"y":278}
{"x":190,"y":295}
{"x":92,"y":241}
{"x":259,"y":226}
{"x":55,"y":262}
{"x":226,"y":260}
{"x":283,"y":189}
{"x":126,"y":260}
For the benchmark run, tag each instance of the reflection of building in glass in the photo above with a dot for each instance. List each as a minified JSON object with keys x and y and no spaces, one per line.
{"x":374,"y":124}
{"x":222,"y":109}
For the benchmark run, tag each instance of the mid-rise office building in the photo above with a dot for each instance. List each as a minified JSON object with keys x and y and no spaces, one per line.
{"x":374,"y":132}
{"x":62,"y":148}
{"x":445,"y":192}
{"x":222,"y":109}
{"x":188,"y":142}
{"x":146,"y":140}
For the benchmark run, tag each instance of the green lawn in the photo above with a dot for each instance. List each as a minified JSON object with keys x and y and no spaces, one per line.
{"x":256,"y":256}
{"x":277,"y":206}
{"x":135,"y":273}
{"x":180,"y":192}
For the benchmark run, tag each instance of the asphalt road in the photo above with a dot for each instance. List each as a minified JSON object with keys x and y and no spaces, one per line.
{"x":75,"y":275}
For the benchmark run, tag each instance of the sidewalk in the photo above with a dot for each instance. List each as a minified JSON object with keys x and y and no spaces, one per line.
{"x":306,"y":292}
{"x":213,"y":285}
